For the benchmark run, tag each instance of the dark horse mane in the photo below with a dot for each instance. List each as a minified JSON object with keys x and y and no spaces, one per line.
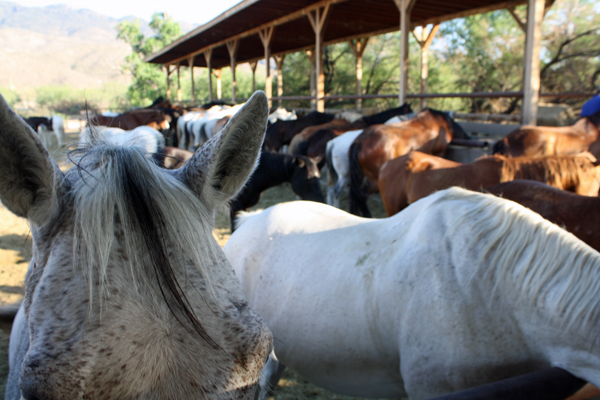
{"x":457,"y":130}
{"x":140,"y":210}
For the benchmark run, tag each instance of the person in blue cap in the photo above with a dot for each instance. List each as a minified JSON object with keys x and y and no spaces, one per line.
{"x":592,"y":106}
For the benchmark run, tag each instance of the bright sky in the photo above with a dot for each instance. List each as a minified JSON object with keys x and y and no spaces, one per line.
{"x":195,"y":11}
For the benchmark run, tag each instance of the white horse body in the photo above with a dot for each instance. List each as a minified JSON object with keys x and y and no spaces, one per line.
{"x":144,"y":137}
{"x":128,"y":295}
{"x":458,"y":290}
{"x":283,"y":115}
{"x":182,"y":139}
{"x":338,"y":165}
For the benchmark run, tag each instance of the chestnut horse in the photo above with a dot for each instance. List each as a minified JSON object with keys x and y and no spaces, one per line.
{"x":132,"y":119}
{"x":536,"y":141}
{"x":430,"y":131}
{"x":312,"y":141}
{"x":578,"y":214}
{"x":406,"y":179}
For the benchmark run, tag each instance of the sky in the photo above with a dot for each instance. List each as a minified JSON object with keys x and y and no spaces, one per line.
{"x":195,"y":11}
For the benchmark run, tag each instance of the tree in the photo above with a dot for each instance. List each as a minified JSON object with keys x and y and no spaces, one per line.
{"x":148,"y":79}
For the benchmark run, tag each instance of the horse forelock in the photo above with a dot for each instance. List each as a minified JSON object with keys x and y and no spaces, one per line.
{"x":120,"y":197}
{"x":519,"y":250}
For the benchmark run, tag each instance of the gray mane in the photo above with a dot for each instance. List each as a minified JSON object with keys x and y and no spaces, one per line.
{"x":541,"y":261}
{"x":120,"y":189}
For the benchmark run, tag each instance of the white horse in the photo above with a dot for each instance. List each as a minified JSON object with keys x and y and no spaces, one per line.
{"x":338,"y":163}
{"x":283,"y":115}
{"x":458,"y":290}
{"x":145,"y":137}
{"x":128,"y":295}
{"x":183,"y":137}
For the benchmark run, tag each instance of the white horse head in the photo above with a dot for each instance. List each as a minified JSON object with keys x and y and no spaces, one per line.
{"x":128,"y":295}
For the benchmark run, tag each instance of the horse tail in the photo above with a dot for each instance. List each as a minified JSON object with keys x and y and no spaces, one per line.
{"x":357,"y":194}
{"x":333,"y":176}
{"x":499,"y":147}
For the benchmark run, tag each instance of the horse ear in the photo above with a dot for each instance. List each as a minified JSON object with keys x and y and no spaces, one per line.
{"x":317,"y":159}
{"x":30,"y":181}
{"x":219,"y":169}
{"x":299,"y":161}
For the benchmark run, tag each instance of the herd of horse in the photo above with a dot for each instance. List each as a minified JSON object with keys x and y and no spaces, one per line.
{"x":129,"y":296}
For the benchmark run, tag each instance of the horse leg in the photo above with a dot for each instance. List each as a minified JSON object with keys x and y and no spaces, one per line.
{"x":269,"y":377}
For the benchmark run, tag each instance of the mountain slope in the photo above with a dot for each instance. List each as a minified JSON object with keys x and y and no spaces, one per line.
{"x":60,"y":45}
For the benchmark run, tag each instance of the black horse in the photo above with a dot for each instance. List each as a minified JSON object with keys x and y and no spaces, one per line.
{"x":281,"y":132}
{"x":274,"y":169}
{"x":35,"y":122}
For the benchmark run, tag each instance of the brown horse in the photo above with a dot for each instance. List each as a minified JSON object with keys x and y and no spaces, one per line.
{"x":175,"y":157}
{"x":132,"y":119}
{"x":430,"y":131}
{"x":536,"y":141}
{"x":312,"y":141}
{"x":578,"y":214}
{"x":409,"y":178}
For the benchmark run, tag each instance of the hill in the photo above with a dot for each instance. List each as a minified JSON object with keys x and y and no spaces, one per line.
{"x":60,"y":45}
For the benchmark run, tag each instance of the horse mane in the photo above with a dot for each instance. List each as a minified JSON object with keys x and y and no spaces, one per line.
{"x":457,"y":130}
{"x":518,"y":249}
{"x":119,"y":195}
{"x":562,"y":171}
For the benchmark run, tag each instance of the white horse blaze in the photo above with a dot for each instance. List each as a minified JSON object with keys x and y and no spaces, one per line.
{"x":458,"y":290}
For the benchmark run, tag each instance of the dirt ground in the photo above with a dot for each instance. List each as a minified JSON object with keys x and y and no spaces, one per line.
{"x":15,"y":252}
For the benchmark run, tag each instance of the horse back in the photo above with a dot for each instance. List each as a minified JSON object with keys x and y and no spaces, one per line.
{"x":578,"y":214}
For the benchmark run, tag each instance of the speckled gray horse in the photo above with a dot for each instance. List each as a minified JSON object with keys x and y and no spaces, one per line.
{"x":128,"y":295}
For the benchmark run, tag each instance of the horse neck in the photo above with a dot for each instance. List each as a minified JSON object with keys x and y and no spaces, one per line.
{"x":277,"y":169}
{"x":518,"y":261}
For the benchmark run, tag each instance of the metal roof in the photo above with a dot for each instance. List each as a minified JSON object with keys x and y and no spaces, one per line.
{"x":347,"y":19}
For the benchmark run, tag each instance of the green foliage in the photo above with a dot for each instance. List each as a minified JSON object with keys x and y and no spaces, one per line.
{"x":148,"y":79}
{"x":10,"y":96}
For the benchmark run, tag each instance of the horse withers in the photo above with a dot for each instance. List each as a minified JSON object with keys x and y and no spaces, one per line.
{"x":128,"y":295}
{"x":458,"y":290}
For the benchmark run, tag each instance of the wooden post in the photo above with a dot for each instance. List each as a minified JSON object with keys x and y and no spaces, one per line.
{"x":531,"y":70}
{"x":279,"y":63}
{"x":253,"y":65}
{"x":313,"y":87}
{"x":232,"y":47}
{"x":191,"y":64}
{"x":265,"y":36}
{"x":208,"y":58}
{"x":218,"y":75}
{"x":317,"y":19}
{"x":517,"y":19}
{"x":168,"y":73}
{"x":358,"y":47}
{"x":425,"y":41}
{"x":405,"y":7}
{"x":178,"y":83}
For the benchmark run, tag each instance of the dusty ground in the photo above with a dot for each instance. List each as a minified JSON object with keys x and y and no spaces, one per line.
{"x":15,"y":252}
